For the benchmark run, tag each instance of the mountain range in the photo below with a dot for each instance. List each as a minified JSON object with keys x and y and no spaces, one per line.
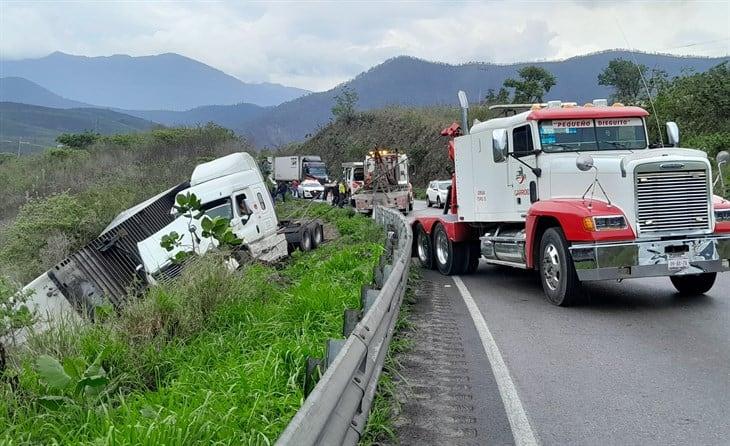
{"x":165,"y":81}
{"x":403,"y":81}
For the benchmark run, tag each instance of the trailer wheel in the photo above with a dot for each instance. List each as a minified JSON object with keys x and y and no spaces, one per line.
{"x":557,"y":272}
{"x":317,"y":235}
{"x":693,"y":284}
{"x":305,"y":241}
{"x":449,"y":256}
{"x":424,"y":248}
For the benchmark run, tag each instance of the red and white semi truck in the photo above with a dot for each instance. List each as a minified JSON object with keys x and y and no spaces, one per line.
{"x":577,"y":194}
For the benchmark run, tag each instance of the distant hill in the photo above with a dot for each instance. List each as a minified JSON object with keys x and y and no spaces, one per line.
{"x":41,"y":125}
{"x":234,"y":117}
{"x":165,"y":81}
{"x":17,"y":89}
{"x":414,"y":82}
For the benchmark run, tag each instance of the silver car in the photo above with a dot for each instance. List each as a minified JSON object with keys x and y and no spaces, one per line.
{"x":436,"y":192}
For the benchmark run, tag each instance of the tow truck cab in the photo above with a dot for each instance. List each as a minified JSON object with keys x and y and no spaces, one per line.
{"x":576,"y":193}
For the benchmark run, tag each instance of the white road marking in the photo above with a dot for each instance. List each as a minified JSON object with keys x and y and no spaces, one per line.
{"x":521,"y":429}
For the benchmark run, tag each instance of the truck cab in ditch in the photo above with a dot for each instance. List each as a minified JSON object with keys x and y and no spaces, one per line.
{"x":576,"y":193}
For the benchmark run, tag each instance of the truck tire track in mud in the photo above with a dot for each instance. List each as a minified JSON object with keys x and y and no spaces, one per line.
{"x":445,"y":387}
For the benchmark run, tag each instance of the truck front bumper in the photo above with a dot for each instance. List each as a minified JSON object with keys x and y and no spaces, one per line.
{"x":607,"y":261}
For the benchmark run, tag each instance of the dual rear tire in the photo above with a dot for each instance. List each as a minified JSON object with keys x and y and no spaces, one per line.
{"x":438,"y":251}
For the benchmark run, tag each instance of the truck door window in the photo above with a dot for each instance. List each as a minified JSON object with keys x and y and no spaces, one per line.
{"x":262,"y":203}
{"x":522,"y":140}
{"x":219,"y":208}
{"x":244,"y":212}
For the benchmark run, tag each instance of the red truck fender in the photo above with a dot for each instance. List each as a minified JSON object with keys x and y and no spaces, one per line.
{"x":569,"y":214}
{"x":458,"y":231}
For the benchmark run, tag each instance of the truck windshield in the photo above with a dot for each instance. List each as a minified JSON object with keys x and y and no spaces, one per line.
{"x":570,"y":135}
{"x":358,"y":174}
{"x":316,"y":170}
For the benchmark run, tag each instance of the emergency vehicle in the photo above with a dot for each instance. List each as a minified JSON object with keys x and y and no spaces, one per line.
{"x":386,"y":182}
{"x":577,"y":194}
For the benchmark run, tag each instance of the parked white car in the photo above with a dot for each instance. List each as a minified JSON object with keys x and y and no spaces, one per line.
{"x":436,"y":193}
{"x":310,"y":189}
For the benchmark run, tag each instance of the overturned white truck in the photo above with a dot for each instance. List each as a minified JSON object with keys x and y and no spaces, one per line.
{"x":128,"y":256}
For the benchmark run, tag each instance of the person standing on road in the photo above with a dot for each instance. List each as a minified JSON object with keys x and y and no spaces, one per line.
{"x":295,"y":188}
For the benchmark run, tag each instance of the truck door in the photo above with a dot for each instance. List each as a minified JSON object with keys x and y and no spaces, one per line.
{"x":520,"y":176}
{"x":245,"y":223}
{"x":264,"y":209}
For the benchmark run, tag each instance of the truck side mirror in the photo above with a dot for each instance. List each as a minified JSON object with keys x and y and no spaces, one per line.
{"x":673,"y":134}
{"x":499,"y":144}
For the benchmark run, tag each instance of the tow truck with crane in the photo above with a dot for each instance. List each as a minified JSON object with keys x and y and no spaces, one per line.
{"x":577,"y":194}
{"x":386,"y":182}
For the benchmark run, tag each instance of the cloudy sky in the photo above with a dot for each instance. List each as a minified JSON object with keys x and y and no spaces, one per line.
{"x":316,"y":45}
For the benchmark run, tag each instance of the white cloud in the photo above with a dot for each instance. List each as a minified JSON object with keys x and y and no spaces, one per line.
{"x":316,"y":45}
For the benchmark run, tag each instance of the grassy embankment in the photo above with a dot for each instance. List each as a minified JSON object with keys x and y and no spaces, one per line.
{"x":56,"y":201}
{"x":214,"y":357}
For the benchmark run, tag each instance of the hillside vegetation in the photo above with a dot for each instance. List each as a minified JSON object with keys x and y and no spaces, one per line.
{"x":56,"y":201}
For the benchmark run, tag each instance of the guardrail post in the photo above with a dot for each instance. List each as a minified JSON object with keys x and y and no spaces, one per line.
{"x":314,"y":366}
{"x":349,"y":320}
{"x":367,"y":297}
{"x":333,"y":348}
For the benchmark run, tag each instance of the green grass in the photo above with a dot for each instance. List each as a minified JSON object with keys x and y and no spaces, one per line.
{"x":216,"y":357}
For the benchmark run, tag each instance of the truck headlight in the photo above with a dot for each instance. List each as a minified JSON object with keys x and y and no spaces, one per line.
{"x":722,"y":214}
{"x":607,"y":223}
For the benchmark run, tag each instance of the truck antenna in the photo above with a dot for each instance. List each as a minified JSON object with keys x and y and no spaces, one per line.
{"x":643,"y":81}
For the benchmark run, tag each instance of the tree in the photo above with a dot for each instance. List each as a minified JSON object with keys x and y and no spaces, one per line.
{"x":344,"y":107}
{"x":533,"y":84}
{"x":625,"y":78}
{"x":78,"y":140}
{"x":501,"y":97}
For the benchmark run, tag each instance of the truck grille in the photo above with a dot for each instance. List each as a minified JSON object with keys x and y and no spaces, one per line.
{"x":672,"y":201}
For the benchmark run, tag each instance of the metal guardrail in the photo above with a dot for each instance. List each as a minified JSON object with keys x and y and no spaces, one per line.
{"x":337,"y":409}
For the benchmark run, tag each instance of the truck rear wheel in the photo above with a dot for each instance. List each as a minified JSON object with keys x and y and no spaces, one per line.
{"x":557,"y":272}
{"x":424,"y":249}
{"x":317,"y":235}
{"x":450,"y":257}
{"x":305,"y":241}
{"x":693,"y":284}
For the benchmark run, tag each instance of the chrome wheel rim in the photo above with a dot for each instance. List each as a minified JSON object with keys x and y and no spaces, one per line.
{"x":442,"y":248}
{"x":551,"y":267}
{"x":423,"y":247}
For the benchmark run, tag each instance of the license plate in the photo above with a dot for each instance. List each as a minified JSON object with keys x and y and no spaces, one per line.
{"x":678,"y":262}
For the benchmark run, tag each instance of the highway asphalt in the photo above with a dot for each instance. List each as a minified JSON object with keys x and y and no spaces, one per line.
{"x":634,"y":364}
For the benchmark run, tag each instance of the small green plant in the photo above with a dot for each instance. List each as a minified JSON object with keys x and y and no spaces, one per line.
{"x":218,"y":228}
{"x":75,"y":384}
{"x":14,"y":315}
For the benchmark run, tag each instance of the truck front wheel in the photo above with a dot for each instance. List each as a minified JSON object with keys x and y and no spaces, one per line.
{"x":557,"y":273}
{"x":450,"y":257}
{"x":693,"y":284}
